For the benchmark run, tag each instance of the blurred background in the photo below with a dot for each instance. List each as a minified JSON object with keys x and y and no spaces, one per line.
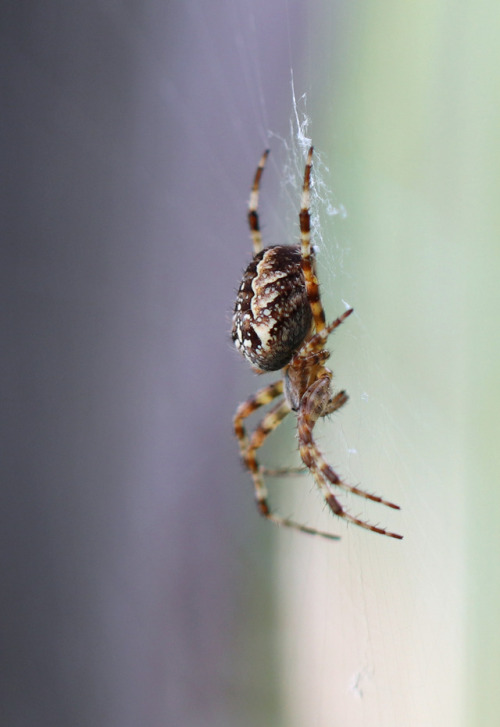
{"x":139,"y":586}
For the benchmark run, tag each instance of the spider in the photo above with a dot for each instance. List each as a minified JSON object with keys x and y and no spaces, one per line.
{"x":279,"y":323}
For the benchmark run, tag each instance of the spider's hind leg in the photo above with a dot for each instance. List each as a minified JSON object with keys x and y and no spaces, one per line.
{"x":308,"y":259}
{"x":253,"y":215}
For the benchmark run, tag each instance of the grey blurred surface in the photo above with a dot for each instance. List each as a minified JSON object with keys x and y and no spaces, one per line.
{"x":128,"y":587}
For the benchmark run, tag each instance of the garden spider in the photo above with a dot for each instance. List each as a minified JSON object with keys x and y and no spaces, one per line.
{"x":279,"y":323}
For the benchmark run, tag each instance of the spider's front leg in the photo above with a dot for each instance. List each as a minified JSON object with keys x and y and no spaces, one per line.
{"x":249,"y":447}
{"x":317,"y":402}
{"x":261,"y":398}
{"x":247,"y":408}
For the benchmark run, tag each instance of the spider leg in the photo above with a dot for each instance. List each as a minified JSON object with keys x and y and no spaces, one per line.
{"x":253,"y":216}
{"x":318,"y":340}
{"x":268,"y":424}
{"x":308,"y":262}
{"x":261,"y":398}
{"x":244,"y":410}
{"x":336,"y":402}
{"x":282,"y":471}
{"x":315,"y":403}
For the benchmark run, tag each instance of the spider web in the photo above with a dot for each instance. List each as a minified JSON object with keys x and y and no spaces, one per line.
{"x":368,"y":631}
{"x":351,"y":630}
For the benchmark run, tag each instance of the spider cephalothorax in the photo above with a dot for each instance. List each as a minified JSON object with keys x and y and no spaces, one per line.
{"x":279,"y":323}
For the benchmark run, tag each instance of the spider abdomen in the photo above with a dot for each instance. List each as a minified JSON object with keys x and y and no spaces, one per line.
{"x":272,"y":313}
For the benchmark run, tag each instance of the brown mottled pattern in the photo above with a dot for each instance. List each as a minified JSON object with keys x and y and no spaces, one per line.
{"x":272,"y":314}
